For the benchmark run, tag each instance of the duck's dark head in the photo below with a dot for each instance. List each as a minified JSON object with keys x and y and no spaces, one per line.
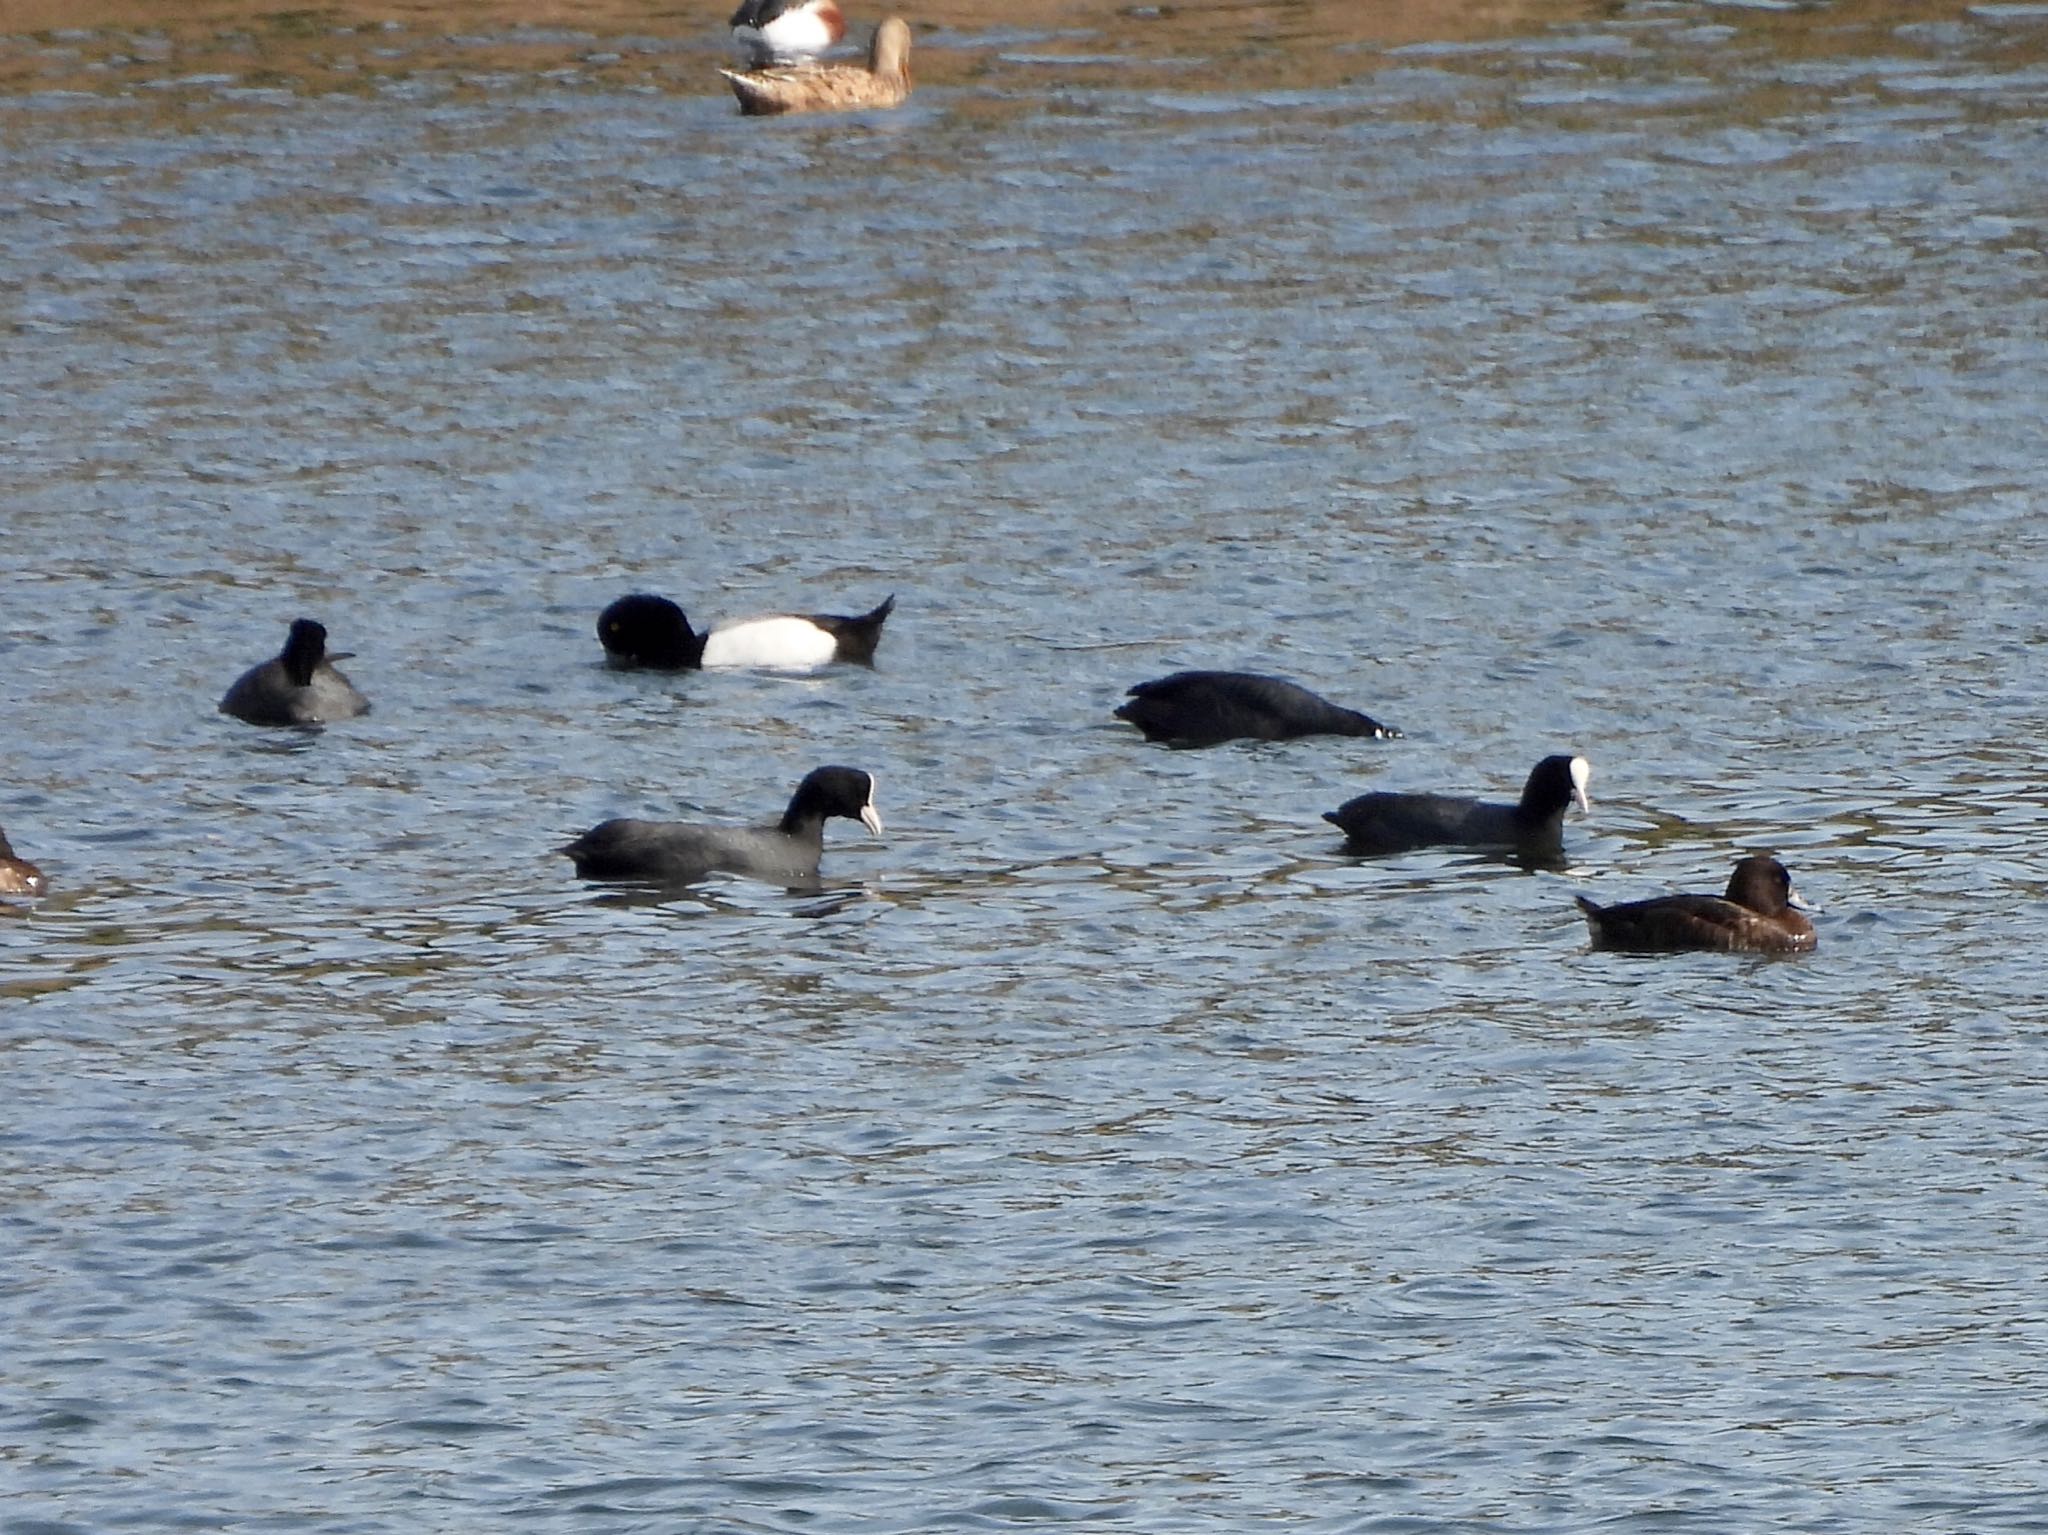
{"x":644,"y":630}
{"x":1764,"y":885}
{"x":304,"y":649}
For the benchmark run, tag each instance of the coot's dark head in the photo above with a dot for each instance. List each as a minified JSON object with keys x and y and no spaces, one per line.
{"x":645,"y":630}
{"x":1764,"y":885}
{"x":834,"y":791}
{"x":1555,"y":785}
{"x":304,"y":649}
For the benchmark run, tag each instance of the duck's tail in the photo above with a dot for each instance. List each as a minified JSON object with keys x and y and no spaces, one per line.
{"x":858,"y":637}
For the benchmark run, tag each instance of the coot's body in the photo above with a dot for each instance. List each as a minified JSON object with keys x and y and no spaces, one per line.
{"x":678,"y":853}
{"x":1533,"y":826}
{"x":1205,"y":708}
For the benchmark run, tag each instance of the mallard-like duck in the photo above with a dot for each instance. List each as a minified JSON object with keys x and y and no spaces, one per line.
{"x":884,"y":82}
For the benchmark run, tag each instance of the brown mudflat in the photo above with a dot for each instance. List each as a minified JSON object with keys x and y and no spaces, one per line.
{"x":109,"y":45}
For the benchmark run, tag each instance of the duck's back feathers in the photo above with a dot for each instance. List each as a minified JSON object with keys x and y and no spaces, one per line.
{"x":1203,"y":708}
{"x":650,"y":631}
{"x":883,"y":82}
{"x":1533,"y":826}
{"x":1758,"y":915}
{"x":299,"y":686}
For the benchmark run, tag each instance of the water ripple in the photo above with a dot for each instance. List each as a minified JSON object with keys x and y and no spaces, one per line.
{"x":1104,"y":1148}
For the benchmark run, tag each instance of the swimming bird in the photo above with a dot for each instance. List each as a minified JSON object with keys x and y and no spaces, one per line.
{"x":780,"y":33}
{"x":644,"y":630}
{"x":1204,"y":708}
{"x":676,"y":852}
{"x":1533,"y":827}
{"x":883,"y":82}
{"x":300,"y":686}
{"x":1758,"y":915}
{"x":17,"y":875}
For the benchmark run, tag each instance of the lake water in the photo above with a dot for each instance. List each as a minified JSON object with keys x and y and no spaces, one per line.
{"x":1103,"y":1149}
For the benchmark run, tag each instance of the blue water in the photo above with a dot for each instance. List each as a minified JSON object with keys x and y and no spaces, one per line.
{"x":1103,"y":1149}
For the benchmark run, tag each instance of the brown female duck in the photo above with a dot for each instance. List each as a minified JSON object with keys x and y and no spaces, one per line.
{"x":883,"y":82}
{"x":1758,"y":915}
{"x":17,"y":875}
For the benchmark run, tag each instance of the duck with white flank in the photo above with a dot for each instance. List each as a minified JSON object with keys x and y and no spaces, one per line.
{"x":649,"y":631}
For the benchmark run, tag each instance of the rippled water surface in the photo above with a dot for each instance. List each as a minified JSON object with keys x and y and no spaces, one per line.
{"x":1102,"y":1149}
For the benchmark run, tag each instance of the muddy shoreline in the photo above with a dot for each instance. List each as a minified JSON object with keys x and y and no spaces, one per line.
{"x":114,"y":46}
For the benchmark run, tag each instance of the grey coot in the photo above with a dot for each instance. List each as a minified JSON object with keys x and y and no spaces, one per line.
{"x":1758,"y":915}
{"x":677,"y":852}
{"x":1207,"y":708}
{"x":1532,"y":827}
{"x":17,"y":875}
{"x":645,"y":630}
{"x":300,"y":686}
